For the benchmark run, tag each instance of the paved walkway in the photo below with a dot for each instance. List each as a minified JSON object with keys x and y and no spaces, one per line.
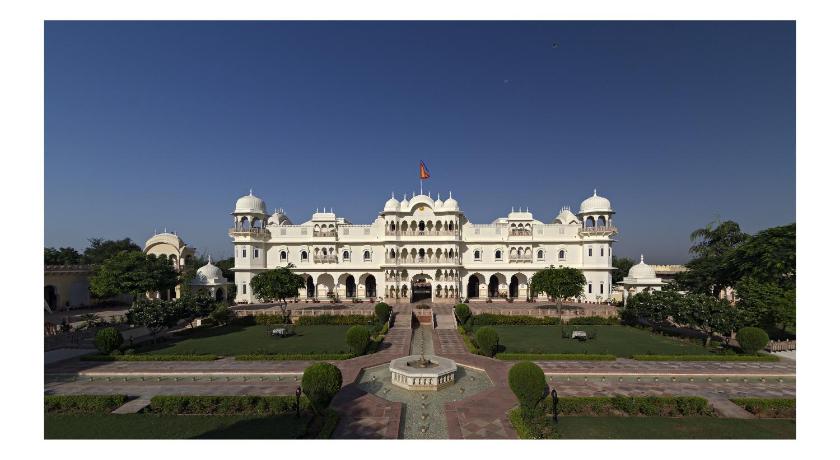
{"x":134,"y":406}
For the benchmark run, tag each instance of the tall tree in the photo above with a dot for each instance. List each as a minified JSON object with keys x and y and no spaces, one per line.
{"x":100,"y":250}
{"x":277,"y":284}
{"x":707,"y":314}
{"x":768,"y":257}
{"x":766,"y":305}
{"x":707,"y":272}
{"x":62,"y":256}
{"x":622,"y":267}
{"x":134,"y":273}
{"x":558,"y":283}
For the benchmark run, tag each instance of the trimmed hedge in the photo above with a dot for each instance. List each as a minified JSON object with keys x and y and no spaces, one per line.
{"x":225,"y":405}
{"x":295,"y":357}
{"x":358,"y":338}
{"x":320,"y":383}
{"x":383,"y":312}
{"x":336,"y":320}
{"x":527,"y":382}
{"x":594,"y":321}
{"x":264,"y":319}
{"x":83,"y":404}
{"x":553,"y":357}
{"x":767,"y":358}
{"x":493,"y":319}
{"x":488,"y":340}
{"x":148,"y":357}
{"x":468,"y":340}
{"x":108,"y":340}
{"x":330,"y":422}
{"x":660,"y":406}
{"x":752,"y":339}
{"x":768,"y":407}
{"x":462,"y":312}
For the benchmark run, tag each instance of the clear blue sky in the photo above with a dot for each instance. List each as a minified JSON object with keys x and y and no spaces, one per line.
{"x":165,"y":124}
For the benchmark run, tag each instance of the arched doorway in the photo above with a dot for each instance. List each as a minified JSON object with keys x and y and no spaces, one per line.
{"x":421,"y":288}
{"x":50,"y":297}
{"x":350,"y":287}
{"x":220,"y":295}
{"x":513,"y":289}
{"x":472,"y":287}
{"x":310,"y":287}
{"x":493,"y":287}
{"x":370,"y":286}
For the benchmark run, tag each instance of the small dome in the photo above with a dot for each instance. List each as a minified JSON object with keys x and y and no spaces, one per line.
{"x":279,"y":218}
{"x":566,"y":216}
{"x":404,"y":204}
{"x":209,"y":274}
{"x":392,"y":205}
{"x":451,"y":204}
{"x":641,"y":271}
{"x":595,"y":203}
{"x":438,"y":202}
{"x":421,"y":199}
{"x":249,"y":204}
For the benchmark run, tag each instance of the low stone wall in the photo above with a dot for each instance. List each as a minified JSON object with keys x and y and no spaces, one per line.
{"x":604,"y":311}
{"x":298,"y":313}
{"x":781,"y":345}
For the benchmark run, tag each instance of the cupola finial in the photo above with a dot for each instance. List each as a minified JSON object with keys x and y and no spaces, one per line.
{"x":250,"y":192}
{"x":595,"y":192}
{"x":643,"y":259}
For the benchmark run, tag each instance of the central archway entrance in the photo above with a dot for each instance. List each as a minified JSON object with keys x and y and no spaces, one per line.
{"x":421,"y":288}
{"x":472,"y":287}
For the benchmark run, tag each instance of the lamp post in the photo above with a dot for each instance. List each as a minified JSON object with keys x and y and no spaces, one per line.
{"x":554,"y":403}
{"x":297,"y":402}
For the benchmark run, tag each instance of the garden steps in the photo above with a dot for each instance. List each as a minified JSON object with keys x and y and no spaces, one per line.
{"x":729,"y":409}
{"x":134,"y":406}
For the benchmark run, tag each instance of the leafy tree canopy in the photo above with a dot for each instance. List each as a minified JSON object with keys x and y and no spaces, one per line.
{"x":768,"y":257}
{"x":622,"y":267}
{"x":100,"y":250}
{"x":277,"y":284}
{"x":134,"y":273}
{"x":62,"y":256}
{"x":766,"y":305}
{"x":559,"y":283}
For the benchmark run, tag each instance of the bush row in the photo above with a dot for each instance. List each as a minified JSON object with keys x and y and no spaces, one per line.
{"x":472,"y":347}
{"x":768,"y":407}
{"x":554,"y":357}
{"x":661,"y":406}
{"x":148,"y":357}
{"x":83,"y":404}
{"x":336,"y":320}
{"x":225,"y":405}
{"x":295,"y":357}
{"x":594,"y":321}
{"x":493,"y":319}
{"x":768,"y":358}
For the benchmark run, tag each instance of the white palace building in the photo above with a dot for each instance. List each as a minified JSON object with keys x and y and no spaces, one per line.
{"x":423,"y":248}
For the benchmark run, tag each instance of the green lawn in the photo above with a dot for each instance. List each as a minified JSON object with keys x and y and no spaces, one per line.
{"x":622,"y":341}
{"x":151,"y":426}
{"x":667,"y":428}
{"x":240,"y":340}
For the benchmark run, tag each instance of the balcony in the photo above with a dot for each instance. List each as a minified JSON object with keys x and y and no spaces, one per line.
{"x":325,"y":234}
{"x":325,"y":259}
{"x":521,"y":259}
{"x":599,"y":230}
{"x":519,"y":232}
{"x":252,"y":232}
{"x":421,"y":233}
{"x":422,"y":260}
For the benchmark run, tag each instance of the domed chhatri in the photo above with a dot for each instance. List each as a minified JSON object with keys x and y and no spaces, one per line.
{"x":642,"y":270}
{"x":249,"y":204}
{"x":210,"y":279}
{"x":595,"y":203}
{"x":641,"y":277}
{"x":418,"y":372}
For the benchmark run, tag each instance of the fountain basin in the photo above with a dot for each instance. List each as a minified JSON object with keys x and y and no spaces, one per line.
{"x":439,"y":373}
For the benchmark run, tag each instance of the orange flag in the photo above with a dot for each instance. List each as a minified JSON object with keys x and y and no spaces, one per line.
{"x":424,"y":173}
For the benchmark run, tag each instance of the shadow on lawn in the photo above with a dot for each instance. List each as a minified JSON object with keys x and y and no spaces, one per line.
{"x":271,"y":427}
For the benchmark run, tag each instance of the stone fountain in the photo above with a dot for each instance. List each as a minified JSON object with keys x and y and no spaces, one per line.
{"x":417,"y":372}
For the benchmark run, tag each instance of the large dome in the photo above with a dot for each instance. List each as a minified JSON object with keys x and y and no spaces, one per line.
{"x":249,"y":204}
{"x":595,"y":203}
{"x":209,"y":274}
{"x":642,"y":271}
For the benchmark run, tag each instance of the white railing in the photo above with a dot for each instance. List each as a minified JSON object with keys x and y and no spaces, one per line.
{"x":422,"y":260}
{"x":247,"y":231}
{"x":325,"y":259}
{"x":518,"y":232}
{"x":421,"y":233}
{"x":599,"y":229}
{"x":327,"y":233}
{"x":521,"y":258}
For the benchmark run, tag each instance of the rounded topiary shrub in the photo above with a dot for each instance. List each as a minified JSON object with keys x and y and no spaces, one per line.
{"x":527,"y":381}
{"x":488,"y":340}
{"x":357,"y":339}
{"x":320,"y":384}
{"x":383,"y":312}
{"x":108,"y":339}
{"x":752,"y":339}
{"x":462,"y":312}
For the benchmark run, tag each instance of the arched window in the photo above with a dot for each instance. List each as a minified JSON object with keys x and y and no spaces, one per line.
{"x":562,"y":254}
{"x":590,"y":252}
{"x":590,"y":288}
{"x":477,"y":254}
{"x":498,"y":254}
{"x":367,"y":255}
{"x":393,"y":226}
{"x":422,"y":226}
{"x":256,"y":253}
{"x":602,"y":252}
{"x":602,"y":287}
{"x":345,"y":255}
{"x":282,"y":255}
{"x":540,"y":255}
{"x":304,"y":255}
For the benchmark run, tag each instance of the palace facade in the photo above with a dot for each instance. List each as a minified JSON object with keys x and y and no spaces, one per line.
{"x":422,"y":248}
